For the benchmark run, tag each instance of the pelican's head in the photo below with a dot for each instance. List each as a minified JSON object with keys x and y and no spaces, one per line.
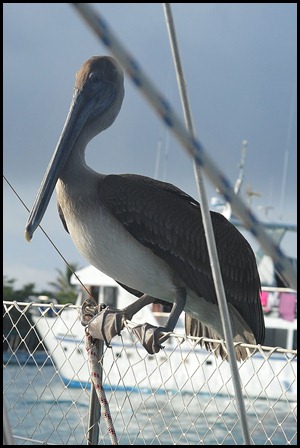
{"x":96,"y":102}
{"x":99,"y":90}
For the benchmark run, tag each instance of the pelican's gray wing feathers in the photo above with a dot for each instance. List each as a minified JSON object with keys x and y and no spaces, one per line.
{"x":168,"y":221}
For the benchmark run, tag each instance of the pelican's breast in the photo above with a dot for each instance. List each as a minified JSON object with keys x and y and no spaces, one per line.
{"x":107,"y":245}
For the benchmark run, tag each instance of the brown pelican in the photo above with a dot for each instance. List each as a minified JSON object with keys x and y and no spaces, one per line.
{"x":144,"y":233}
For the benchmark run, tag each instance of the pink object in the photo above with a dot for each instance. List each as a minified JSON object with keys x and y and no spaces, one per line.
{"x":264,"y":298}
{"x":287,"y":306}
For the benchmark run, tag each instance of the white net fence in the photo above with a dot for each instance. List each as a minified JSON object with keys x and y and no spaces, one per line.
{"x":182,"y":395}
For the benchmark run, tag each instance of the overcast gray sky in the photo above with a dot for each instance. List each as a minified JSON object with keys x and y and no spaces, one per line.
{"x":240,"y":65}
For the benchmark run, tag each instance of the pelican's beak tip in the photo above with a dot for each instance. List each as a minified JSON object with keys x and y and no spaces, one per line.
{"x":28,"y":236}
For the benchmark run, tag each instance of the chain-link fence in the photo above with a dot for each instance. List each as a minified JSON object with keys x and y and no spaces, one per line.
{"x":182,"y":395}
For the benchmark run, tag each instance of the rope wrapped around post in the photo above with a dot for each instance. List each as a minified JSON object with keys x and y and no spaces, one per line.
{"x":96,"y":380}
{"x":90,"y":308}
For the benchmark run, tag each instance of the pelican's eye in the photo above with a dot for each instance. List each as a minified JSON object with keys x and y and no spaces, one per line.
{"x":96,"y":77}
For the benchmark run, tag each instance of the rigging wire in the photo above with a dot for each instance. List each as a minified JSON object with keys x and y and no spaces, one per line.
{"x":47,"y":236}
{"x":287,"y":153}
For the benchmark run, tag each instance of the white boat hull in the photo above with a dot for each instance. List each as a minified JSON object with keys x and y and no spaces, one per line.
{"x":179,"y":367}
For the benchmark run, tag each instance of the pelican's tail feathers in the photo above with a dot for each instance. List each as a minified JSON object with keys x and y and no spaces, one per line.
{"x":241,"y":334}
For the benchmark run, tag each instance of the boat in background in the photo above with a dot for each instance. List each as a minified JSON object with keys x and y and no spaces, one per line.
{"x":277,"y":230}
{"x":21,"y":341}
{"x":65,"y":339}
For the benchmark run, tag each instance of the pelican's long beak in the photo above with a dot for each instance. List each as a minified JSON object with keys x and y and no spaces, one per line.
{"x":82,"y":108}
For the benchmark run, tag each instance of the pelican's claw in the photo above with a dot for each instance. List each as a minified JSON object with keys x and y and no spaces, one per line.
{"x":151,"y":337}
{"x":88,"y":310}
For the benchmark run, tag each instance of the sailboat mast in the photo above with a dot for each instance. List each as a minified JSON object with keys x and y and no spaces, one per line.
{"x":241,"y":165}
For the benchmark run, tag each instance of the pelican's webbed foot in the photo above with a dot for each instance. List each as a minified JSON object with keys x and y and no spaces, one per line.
{"x":151,"y":337}
{"x":101,"y":321}
{"x":107,"y":324}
